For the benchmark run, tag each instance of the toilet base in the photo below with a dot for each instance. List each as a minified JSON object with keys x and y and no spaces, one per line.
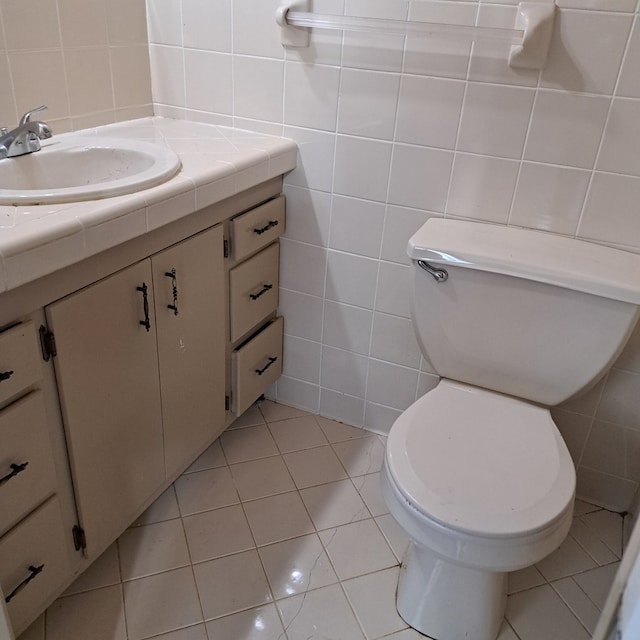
{"x":446,"y":601}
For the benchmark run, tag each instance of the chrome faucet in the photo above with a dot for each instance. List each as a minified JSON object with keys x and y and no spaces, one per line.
{"x":25,"y":138}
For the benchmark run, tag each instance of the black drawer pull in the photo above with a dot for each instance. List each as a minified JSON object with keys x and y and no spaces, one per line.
{"x":33,"y":572}
{"x":272,"y":223}
{"x":265,"y":288}
{"x":174,"y":291}
{"x":5,"y":375}
{"x":146,"y":323}
{"x":15,"y":470}
{"x":266,"y":366}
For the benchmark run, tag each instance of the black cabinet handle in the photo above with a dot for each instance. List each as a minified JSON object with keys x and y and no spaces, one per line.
{"x":15,"y":470}
{"x":265,"y":288}
{"x":5,"y":375}
{"x":272,"y":223}
{"x":174,"y":291}
{"x":146,"y":323}
{"x":266,"y":366}
{"x":33,"y":572}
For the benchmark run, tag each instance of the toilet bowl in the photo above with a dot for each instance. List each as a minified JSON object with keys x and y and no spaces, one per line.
{"x":475,"y":471}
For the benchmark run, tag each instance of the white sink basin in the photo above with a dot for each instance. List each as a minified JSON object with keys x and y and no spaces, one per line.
{"x":75,"y":168}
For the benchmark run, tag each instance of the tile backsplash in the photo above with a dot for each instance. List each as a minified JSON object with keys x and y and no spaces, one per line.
{"x":87,"y":60}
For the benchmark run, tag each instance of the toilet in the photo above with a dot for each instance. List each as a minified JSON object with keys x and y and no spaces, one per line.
{"x":475,"y":471}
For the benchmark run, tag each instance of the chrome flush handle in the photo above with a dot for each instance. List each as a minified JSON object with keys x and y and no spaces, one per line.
{"x":439,"y":275}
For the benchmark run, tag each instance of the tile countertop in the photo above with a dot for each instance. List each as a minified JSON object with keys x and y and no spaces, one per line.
{"x":217,"y":162}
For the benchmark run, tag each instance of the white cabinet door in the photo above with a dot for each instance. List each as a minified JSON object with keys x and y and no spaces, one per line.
{"x":190,"y":314}
{"x":107,"y":372}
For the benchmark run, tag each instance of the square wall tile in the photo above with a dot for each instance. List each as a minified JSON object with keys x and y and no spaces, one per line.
{"x":39,"y":22}
{"x":400,"y":224}
{"x":549,"y":198}
{"x":302,"y":267}
{"x":482,"y":187}
{"x":566,"y":128}
{"x":316,"y":150}
{"x":303,"y":314}
{"x":393,"y":340}
{"x":356,"y":226}
{"x":308,"y":215}
{"x":347,"y":327}
{"x":311,"y":95}
{"x":391,"y":385}
{"x":362,"y":168}
{"x":131,"y":75}
{"x":605,"y":449}
{"x":629,"y":81}
{"x":586,"y":51}
{"x":619,"y":150}
{"x":429,"y":111}
{"x":83,"y":22}
{"x":167,"y":75}
{"x":351,"y":279}
{"x":420,"y":177}
{"x":367,"y":104}
{"x":379,"y":418}
{"x":620,"y":403}
{"x":208,"y":81}
{"x":495,"y":119}
{"x":206,"y":25}
{"x":249,"y":35}
{"x":344,"y":371}
{"x":258,"y":85}
{"x":127,"y":22}
{"x":340,"y":406}
{"x":394,"y":293}
{"x":164,"y":20}
{"x":301,"y":359}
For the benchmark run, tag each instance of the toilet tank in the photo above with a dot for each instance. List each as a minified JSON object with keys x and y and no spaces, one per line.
{"x":525,"y":313}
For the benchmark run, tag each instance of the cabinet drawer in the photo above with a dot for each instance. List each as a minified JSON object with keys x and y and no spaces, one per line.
{"x":19,"y":360}
{"x":257,"y":228}
{"x":38,"y":541}
{"x":24,"y":439}
{"x":253,"y":291}
{"x":256,"y":365}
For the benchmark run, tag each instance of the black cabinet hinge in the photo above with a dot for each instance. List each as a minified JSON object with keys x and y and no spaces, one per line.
{"x":47,"y":343}
{"x":225,"y":248}
{"x":79,"y":539}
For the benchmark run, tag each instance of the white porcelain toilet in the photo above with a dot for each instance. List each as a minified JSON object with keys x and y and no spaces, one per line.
{"x":475,"y":471}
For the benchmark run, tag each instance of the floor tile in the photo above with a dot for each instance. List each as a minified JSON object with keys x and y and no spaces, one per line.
{"x":580,"y":507}
{"x":591,"y":543}
{"x":272,"y":412}
{"x":104,"y":572}
{"x":204,"y":490}
{"x":578,"y":601}
{"x":35,"y":631}
{"x":356,"y":549}
{"x":333,"y":504}
{"x":250,"y":418}
{"x":152,"y":549}
{"x":409,"y":634}
{"x":261,"y":623}
{"x":360,"y":456}
{"x":230,"y":584}
{"x":305,"y":616}
{"x":278,"y":518}
{"x":370,"y":491}
{"x":211,"y":458}
{"x":373,"y":598}
{"x":164,"y":508}
{"x":314,"y":466}
{"x":97,"y":614}
{"x":250,"y":443}
{"x":570,"y":558}
{"x":195,"y":632}
{"x":297,"y":565}
{"x":212,"y":534}
{"x":338,"y":432}
{"x":506,"y":632}
{"x":596,"y":583}
{"x":297,"y":433}
{"x":539,"y":614}
{"x":395,"y":536}
{"x":608,"y":527}
{"x":161,"y":603}
{"x":262,"y":478}
{"x":525,"y":579}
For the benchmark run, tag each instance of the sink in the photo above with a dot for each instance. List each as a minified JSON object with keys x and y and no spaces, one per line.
{"x":91,"y":168}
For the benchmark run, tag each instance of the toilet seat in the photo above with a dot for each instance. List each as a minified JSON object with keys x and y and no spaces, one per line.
{"x":481,"y":463}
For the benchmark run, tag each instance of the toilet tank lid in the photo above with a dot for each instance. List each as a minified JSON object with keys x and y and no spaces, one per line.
{"x":533,"y":255}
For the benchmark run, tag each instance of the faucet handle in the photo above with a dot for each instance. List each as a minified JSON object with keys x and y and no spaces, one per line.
{"x":3,"y":131}
{"x":27,"y":116}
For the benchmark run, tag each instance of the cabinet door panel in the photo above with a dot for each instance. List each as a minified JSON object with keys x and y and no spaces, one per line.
{"x":191,"y":345}
{"x":106,"y":367}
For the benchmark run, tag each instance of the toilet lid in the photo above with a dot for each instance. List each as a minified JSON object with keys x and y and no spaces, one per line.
{"x":481,"y":462}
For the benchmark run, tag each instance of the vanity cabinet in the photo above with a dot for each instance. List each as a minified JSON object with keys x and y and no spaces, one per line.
{"x":34,"y":563}
{"x":117,"y":372}
{"x":140,"y":370}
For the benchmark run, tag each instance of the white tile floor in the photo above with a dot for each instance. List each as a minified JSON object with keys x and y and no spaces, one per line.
{"x":279,"y":532}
